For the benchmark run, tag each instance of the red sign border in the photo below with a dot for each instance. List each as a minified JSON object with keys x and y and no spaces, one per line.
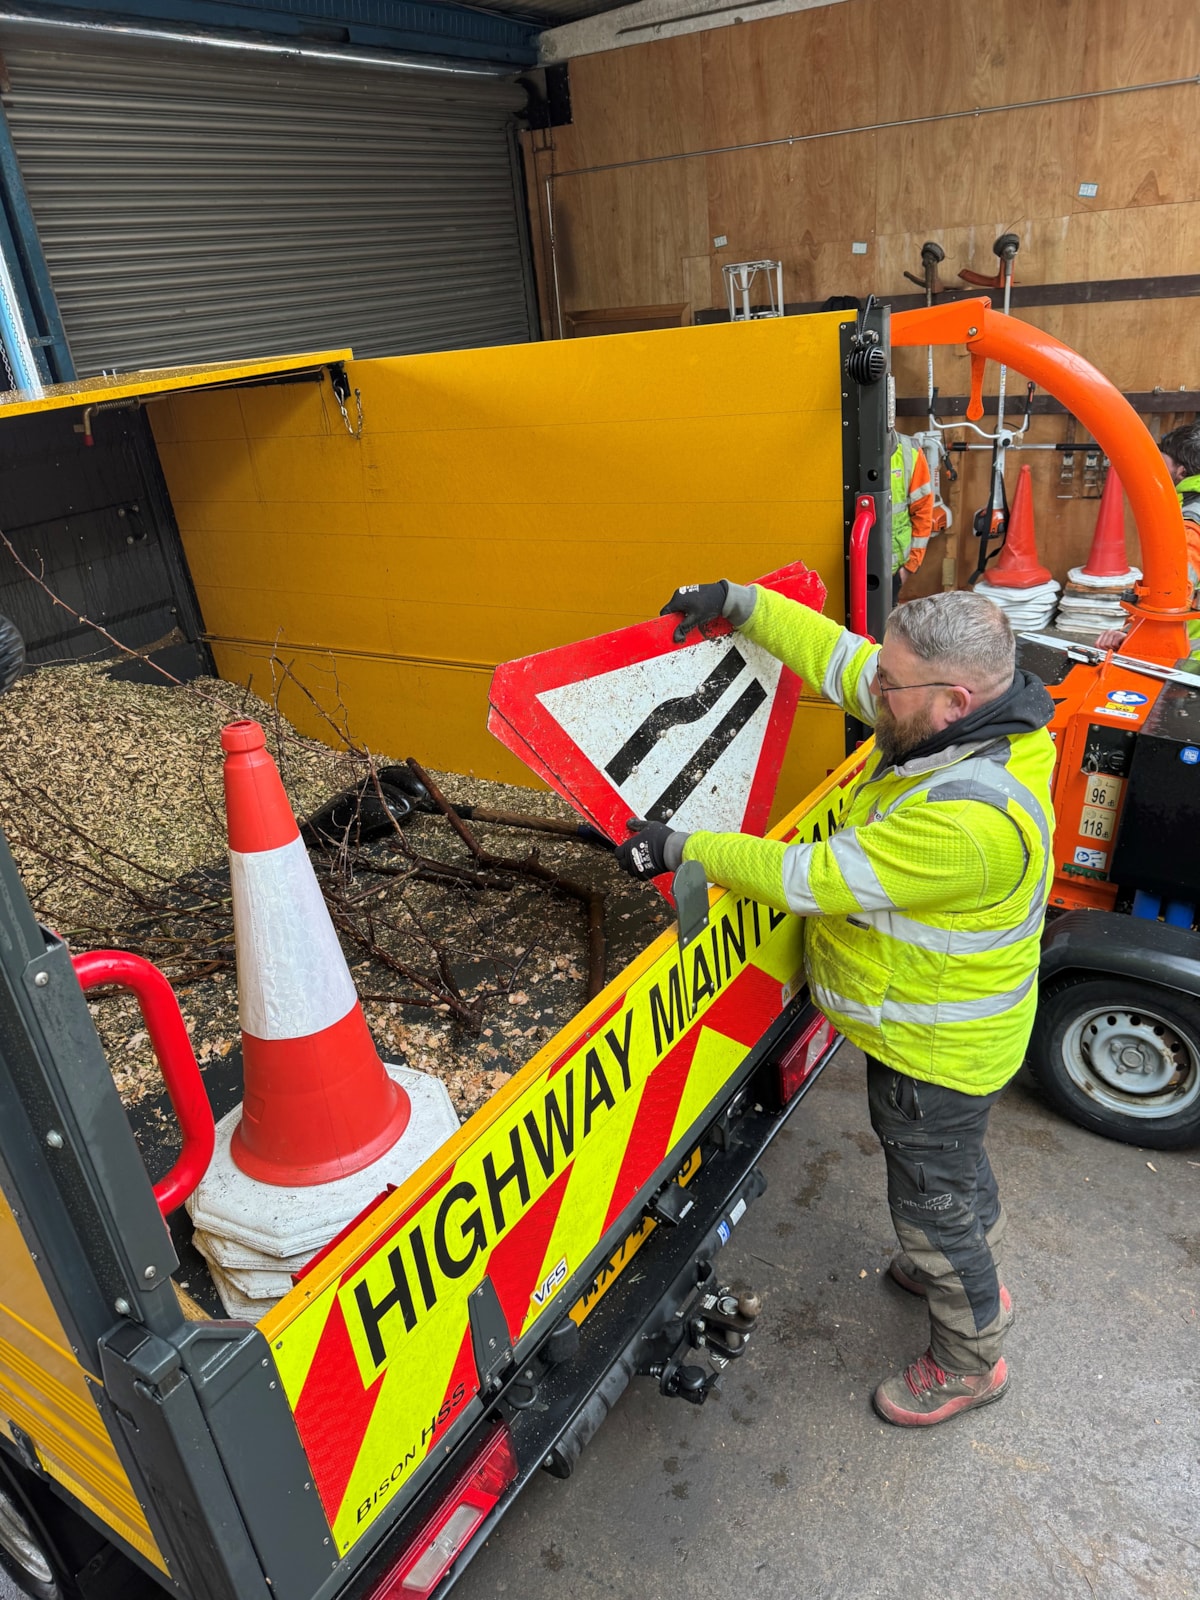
{"x":549,"y":751}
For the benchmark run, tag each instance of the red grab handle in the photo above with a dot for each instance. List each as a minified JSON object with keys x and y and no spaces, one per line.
{"x":864,"y":521}
{"x":180,"y":1070}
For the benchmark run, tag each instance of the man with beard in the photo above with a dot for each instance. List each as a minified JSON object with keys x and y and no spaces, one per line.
{"x":924,"y":916}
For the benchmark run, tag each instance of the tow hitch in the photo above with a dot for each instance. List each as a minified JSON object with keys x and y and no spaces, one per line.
{"x":717,"y":1322}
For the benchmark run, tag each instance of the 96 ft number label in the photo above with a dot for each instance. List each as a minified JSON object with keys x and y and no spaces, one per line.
{"x":1103,"y":790}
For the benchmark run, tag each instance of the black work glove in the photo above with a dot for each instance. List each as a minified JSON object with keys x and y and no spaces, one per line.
{"x":645,"y":855}
{"x":697,"y":604}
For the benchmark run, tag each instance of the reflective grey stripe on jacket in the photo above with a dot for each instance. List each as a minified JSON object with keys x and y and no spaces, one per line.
{"x":859,"y":875}
{"x":831,"y":684}
{"x":920,"y":1014}
{"x":980,"y":778}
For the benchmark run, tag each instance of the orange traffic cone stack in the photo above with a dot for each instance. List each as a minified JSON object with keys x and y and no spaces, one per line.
{"x":1017,"y":566}
{"x":1091,"y":601}
{"x":324,"y":1126}
{"x":1017,"y":582}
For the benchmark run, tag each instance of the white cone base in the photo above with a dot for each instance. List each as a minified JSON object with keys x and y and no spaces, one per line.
{"x":1118,"y":580}
{"x":1085,"y":628}
{"x":231,"y":1255}
{"x":255,"y":1235}
{"x":1109,"y":604}
{"x":261,"y":1289}
{"x":1025,"y":608}
{"x":241,"y":1306}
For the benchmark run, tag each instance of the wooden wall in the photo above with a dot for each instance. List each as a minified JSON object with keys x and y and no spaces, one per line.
{"x":643,"y":235}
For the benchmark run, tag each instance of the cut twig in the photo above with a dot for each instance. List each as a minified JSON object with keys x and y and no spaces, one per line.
{"x":530,"y":867}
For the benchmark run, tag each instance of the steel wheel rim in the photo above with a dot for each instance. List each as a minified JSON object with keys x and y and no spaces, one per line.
{"x":16,"y":1538}
{"x":1131,"y":1060}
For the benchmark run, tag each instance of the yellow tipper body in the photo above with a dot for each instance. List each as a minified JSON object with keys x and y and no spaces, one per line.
{"x":500,"y":502}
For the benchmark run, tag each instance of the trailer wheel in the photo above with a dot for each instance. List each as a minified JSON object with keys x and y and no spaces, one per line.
{"x":23,"y":1555}
{"x":1121,"y":1058}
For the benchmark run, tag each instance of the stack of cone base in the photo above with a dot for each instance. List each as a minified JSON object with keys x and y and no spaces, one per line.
{"x":1107,"y":566}
{"x":255,"y":1236}
{"x":325,"y":1128}
{"x":1028,"y":610}
{"x":1087,"y":614}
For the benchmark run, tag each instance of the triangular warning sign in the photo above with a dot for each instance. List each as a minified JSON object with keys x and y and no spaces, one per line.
{"x":631,"y":724}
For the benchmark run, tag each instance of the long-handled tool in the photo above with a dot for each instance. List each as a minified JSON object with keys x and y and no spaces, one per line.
{"x":993,"y":519}
{"x":932,"y":256}
{"x":930,"y":441}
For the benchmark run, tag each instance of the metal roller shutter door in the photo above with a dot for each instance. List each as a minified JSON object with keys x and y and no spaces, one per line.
{"x":195,"y":207}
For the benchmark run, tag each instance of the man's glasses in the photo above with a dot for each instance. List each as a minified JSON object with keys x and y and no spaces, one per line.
{"x":899,"y":688}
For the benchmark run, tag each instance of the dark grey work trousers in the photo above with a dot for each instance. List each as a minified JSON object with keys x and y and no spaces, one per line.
{"x":945,"y":1208}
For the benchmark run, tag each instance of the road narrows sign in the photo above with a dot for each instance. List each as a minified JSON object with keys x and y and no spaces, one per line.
{"x":630,"y":724}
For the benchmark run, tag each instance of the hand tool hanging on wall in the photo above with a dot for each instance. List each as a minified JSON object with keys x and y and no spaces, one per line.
{"x":993,"y":519}
{"x":932,"y":255}
{"x":1093,"y":472}
{"x":930,"y":440}
{"x":1066,"y":471}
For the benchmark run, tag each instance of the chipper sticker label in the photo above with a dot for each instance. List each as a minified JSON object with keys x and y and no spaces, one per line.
{"x":377,"y":1361}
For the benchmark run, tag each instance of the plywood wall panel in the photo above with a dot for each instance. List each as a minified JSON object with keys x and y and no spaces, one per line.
{"x":1126,"y":43}
{"x":963,"y":54}
{"x":1141,"y":150}
{"x":804,"y":74}
{"x":1158,"y":240}
{"x":623,"y":236}
{"x":951,"y":174}
{"x":788,"y":202}
{"x":627,"y":104}
{"x":646,"y":236}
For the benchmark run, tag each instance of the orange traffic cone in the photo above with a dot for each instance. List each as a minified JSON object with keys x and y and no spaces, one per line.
{"x":1018,"y":566}
{"x":1107,"y":559}
{"x":318,"y":1136}
{"x":318,"y":1102}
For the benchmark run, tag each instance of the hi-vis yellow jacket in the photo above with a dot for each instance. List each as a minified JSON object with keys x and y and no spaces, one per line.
{"x":926,"y":909}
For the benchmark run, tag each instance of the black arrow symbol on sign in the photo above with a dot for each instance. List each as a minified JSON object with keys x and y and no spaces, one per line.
{"x":679,"y":711}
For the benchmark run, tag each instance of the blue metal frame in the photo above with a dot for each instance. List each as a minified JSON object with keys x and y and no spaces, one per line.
{"x":410,"y":25}
{"x":23,"y":251}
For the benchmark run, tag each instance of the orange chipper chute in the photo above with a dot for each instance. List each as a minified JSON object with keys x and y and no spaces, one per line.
{"x":1164,"y":596}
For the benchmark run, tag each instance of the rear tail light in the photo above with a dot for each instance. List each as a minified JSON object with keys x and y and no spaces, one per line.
{"x":476,"y":1492}
{"x":798,"y":1064}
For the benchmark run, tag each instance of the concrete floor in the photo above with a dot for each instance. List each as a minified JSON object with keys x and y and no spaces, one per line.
{"x":1084,"y":1481}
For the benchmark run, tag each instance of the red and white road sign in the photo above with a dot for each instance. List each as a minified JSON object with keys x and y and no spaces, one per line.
{"x":630,"y":724}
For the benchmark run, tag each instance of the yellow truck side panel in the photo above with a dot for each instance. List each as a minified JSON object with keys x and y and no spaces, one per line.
{"x":44,"y":1391}
{"x":498,"y":503}
{"x":374,"y":1346}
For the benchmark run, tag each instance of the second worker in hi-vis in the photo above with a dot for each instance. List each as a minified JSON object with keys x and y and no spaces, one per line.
{"x":924,"y":916}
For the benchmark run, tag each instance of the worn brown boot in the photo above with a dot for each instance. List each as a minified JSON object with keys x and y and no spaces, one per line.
{"x":925,"y":1394}
{"x":902,"y":1271}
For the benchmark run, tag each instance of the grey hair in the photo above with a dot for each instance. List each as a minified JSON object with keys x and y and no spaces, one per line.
{"x":967,"y":635}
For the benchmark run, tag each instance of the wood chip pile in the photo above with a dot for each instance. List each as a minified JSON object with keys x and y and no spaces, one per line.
{"x":111,"y":799}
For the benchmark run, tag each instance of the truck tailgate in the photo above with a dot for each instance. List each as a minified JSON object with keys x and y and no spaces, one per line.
{"x":387,"y":1348}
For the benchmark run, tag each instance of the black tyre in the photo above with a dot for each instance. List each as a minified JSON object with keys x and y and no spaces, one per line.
{"x":23,"y":1552}
{"x":1121,"y":1058}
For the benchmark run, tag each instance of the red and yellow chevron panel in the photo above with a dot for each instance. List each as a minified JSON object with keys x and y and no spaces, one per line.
{"x":374,"y":1345}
